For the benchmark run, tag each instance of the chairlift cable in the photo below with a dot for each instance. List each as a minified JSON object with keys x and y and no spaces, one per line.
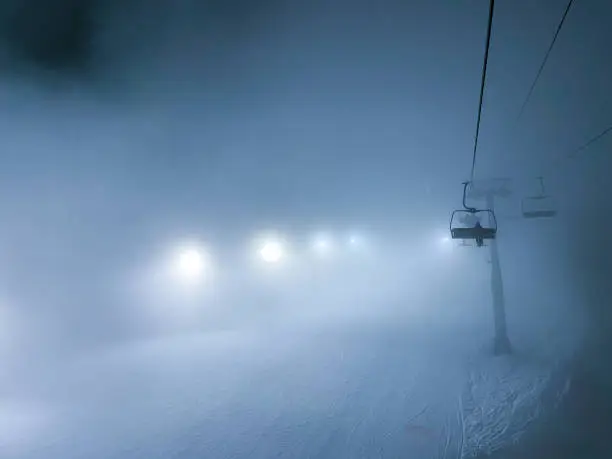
{"x":477,"y":232}
{"x":573,"y":153}
{"x":550,"y":211}
{"x":542,"y":67}
{"x":545,"y":60}
{"x":482,"y":87}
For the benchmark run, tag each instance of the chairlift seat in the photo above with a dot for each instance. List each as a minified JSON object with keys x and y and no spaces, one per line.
{"x":538,"y":207}
{"x":462,"y":227}
{"x":540,"y":213}
{"x":474,"y":224}
{"x":473,"y":233}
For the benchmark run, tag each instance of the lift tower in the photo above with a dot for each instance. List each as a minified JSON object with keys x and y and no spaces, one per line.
{"x":488,"y":190}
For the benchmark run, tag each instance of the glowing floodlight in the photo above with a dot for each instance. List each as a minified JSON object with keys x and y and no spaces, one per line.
{"x":191,"y":264}
{"x":272,"y":252}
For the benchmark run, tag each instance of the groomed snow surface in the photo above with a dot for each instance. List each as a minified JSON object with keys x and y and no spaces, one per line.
{"x":370,"y":384}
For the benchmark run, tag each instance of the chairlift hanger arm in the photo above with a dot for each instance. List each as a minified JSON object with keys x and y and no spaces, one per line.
{"x":465,"y":206}
{"x":542,"y":189}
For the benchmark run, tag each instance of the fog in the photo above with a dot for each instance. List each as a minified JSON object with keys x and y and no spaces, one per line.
{"x":225,"y":230}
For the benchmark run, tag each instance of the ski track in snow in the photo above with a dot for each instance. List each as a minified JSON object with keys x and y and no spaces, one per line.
{"x":385,"y":393}
{"x":501,"y":400}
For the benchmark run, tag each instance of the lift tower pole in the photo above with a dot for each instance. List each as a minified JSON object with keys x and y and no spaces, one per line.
{"x":489,"y":190}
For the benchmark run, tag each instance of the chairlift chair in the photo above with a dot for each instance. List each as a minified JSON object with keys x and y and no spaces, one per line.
{"x":540,"y":205}
{"x":484,"y":224}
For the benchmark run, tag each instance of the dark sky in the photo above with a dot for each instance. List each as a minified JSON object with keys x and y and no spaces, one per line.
{"x":369,"y":101}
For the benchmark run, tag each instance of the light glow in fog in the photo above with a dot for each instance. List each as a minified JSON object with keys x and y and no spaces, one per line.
{"x":356,"y":241}
{"x":190,"y":264}
{"x":271,"y":252}
{"x":322,"y":245}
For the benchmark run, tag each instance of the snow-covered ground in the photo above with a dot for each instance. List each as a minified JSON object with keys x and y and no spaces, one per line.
{"x":374,"y":386}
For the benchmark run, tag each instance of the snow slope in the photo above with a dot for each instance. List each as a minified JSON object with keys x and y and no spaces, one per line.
{"x":367,"y":388}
